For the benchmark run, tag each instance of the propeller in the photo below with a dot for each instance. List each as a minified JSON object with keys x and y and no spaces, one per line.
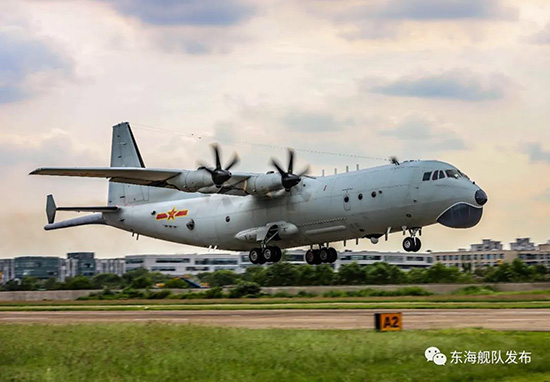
{"x":220,"y":175}
{"x":288,"y":178}
{"x":393,"y":160}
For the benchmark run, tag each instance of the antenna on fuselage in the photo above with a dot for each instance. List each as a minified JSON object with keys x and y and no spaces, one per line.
{"x":393,"y":160}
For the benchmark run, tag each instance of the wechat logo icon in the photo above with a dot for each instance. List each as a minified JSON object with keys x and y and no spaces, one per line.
{"x":433,"y":354}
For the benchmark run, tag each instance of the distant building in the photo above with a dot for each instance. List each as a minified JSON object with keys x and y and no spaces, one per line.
{"x":116,"y":266}
{"x":6,"y":271}
{"x":490,"y":254}
{"x":523,"y":244}
{"x":41,"y":267}
{"x":80,"y":264}
{"x":179,"y":265}
{"x":487,"y":245}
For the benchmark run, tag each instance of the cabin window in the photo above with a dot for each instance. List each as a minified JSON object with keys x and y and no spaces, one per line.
{"x":427,"y":175}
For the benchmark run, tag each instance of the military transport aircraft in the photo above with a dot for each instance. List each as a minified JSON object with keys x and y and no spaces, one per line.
{"x":262,"y":213}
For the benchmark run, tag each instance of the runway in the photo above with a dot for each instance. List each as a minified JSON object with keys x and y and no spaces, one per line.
{"x":498,"y":319}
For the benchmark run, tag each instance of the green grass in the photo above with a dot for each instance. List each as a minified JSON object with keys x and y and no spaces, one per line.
{"x":254,"y":305}
{"x":166,"y":352}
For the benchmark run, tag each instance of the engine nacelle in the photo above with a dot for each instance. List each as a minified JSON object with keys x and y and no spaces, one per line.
{"x":192,"y":181}
{"x":264,"y":184}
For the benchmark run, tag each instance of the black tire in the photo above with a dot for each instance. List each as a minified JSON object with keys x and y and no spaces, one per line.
{"x":254,"y":255}
{"x":316,"y":257}
{"x":278,"y":254}
{"x":333,"y":255}
{"x":417,"y":244}
{"x":324,"y":256}
{"x":269,"y":254}
{"x":310,"y":257}
{"x":408,"y":244}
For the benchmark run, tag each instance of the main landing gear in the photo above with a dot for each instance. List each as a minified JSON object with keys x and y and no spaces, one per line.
{"x":412,"y":244}
{"x":321,"y":255}
{"x":270,"y":254}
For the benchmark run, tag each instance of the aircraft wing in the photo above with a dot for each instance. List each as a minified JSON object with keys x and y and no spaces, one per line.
{"x":146,"y":177}
{"x":131,"y":175}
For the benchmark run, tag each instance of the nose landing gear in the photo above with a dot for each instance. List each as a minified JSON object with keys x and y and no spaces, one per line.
{"x":412,"y":244}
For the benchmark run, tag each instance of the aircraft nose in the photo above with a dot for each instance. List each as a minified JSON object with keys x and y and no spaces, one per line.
{"x":481,"y":197}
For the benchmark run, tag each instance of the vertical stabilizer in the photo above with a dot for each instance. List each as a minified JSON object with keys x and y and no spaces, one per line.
{"x":125,"y":153}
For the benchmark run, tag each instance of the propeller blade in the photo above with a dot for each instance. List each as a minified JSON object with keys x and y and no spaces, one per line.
{"x":305,"y":171}
{"x":216,"y":149}
{"x":290,"y":160}
{"x":276,"y":165}
{"x":233,"y":162}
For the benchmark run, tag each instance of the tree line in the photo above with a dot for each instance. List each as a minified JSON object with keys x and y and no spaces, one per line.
{"x":288,"y":274}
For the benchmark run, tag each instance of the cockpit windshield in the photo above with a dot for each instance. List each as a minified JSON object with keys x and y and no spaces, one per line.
{"x":440,"y":174}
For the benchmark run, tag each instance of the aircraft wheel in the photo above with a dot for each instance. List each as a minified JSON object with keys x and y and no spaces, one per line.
{"x":254,"y":255}
{"x":310,"y":257}
{"x":417,"y":244}
{"x":324,"y":256}
{"x":333,"y":255}
{"x":269,"y":254}
{"x":408,"y":244}
{"x":278,"y":254}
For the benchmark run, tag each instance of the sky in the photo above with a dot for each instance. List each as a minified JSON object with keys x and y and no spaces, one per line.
{"x":462,"y":81}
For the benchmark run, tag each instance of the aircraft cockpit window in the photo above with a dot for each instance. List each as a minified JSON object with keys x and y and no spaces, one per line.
{"x":434,"y":177}
{"x":441,"y":174}
{"x":464,"y":175}
{"x":452,"y":174}
{"x":427,"y":175}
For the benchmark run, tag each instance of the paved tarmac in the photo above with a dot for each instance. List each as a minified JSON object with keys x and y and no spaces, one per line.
{"x":499,"y":319}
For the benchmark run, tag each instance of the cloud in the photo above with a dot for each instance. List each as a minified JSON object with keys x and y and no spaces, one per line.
{"x":536,"y":153}
{"x":56,"y":147}
{"x":186,"y":12}
{"x":458,"y":85}
{"x":310,"y":121}
{"x":384,"y":19}
{"x":543,"y":196}
{"x":542,"y":37}
{"x":22,"y":60}
{"x":424,"y":133}
{"x":426,"y":10}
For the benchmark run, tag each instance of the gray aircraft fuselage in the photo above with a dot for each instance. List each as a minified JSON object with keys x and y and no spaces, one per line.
{"x":366,"y":203}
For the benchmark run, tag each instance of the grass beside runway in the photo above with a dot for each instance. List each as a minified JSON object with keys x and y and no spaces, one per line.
{"x":268,"y":305}
{"x":164,"y":352}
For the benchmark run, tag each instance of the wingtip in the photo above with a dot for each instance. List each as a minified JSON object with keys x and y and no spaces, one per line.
{"x":35,"y":171}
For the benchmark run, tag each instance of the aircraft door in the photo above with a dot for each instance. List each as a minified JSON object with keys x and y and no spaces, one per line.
{"x":347,"y":199}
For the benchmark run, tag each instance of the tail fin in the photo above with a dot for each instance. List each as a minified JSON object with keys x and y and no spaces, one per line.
{"x":125,"y":153}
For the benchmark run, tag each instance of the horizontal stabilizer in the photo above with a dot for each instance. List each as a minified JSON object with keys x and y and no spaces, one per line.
{"x":51,"y":209}
{"x":82,"y":220}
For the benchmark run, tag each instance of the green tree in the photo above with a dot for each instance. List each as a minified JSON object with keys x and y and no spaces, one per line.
{"x":502,"y":273}
{"x":245,"y":288}
{"x":109,"y":280}
{"x":282,"y":274}
{"x":439,"y":273}
{"x":324,"y":275}
{"x":384,"y":273}
{"x":416,"y":276}
{"x":222,"y":278}
{"x":52,"y":284}
{"x":521,"y":271}
{"x":255,"y":274}
{"x":141,"y":282}
{"x":78,"y":282}
{"x":175,"y":283}
{"x":351,"y":274}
